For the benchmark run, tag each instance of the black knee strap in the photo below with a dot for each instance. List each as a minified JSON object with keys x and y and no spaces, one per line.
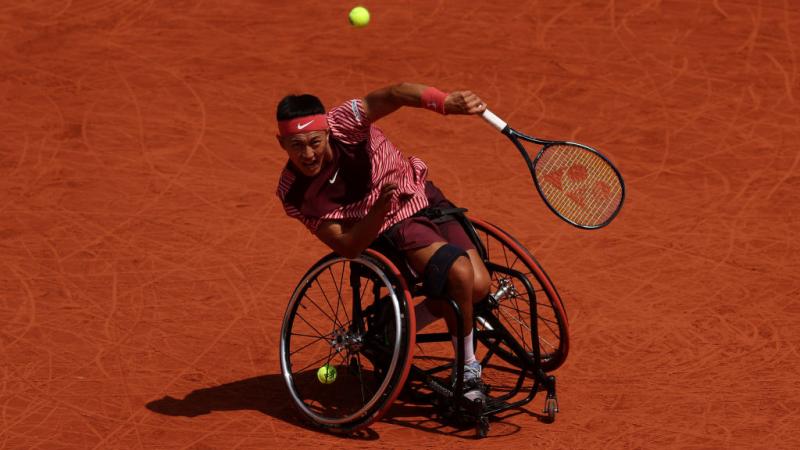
{"x":435,"y":280}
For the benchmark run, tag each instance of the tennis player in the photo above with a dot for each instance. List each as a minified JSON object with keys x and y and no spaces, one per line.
{"x":348,"y":184}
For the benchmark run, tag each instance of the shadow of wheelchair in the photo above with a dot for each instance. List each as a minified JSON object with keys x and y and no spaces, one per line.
{"x":413,"y":411}
{"x":266,"y":394}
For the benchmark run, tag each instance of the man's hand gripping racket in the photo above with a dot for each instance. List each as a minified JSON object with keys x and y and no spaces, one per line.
{"x":577,"y":182}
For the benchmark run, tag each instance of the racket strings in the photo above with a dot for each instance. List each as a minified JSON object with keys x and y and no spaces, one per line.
{"x":577,"y":199}
{"x":579,"y":203}
{"x":578,"y":184}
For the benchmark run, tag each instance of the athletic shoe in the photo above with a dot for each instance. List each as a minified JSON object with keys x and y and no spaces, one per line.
{"x":473,"y":386}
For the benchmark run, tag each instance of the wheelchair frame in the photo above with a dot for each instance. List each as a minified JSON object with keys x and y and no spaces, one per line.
{"x":360,"y":337}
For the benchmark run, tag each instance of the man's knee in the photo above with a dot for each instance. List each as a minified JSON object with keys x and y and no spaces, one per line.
{"x":446,"y":266}
{"x":461,"y":273}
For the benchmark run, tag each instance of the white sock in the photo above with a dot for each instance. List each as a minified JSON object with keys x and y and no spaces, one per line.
{"x":469,"y":349}
{"x":423,"y":315}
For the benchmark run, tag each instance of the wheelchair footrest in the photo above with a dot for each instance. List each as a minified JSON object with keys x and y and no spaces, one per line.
{"x":494,"y":406}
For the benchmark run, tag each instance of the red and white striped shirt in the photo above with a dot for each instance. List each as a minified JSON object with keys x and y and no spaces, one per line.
{"x":345,"y":190}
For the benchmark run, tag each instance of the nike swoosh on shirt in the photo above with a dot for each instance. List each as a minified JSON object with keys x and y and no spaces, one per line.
{"x":300,"y":126}
{"x":332,"y":180}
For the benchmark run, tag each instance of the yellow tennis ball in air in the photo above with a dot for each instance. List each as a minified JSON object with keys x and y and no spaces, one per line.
{"x":359,"y":16}
{"x":326,"y":374}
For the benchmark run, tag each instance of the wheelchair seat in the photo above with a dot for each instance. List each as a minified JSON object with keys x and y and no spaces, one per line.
{"x":383,"y":244}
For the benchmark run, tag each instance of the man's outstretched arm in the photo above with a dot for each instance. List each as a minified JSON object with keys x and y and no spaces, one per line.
{"x":384,"y":101}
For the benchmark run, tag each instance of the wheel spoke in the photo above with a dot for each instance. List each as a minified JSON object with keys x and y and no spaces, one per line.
{"x":335,"y":313}
{"x":316,"y":362}
{"x":516,"y":309}
{"x":312,"y":326}
{"x":338,"y":287}
{"x":552,"y":346}
{"x":360,"y":378}
{"x":341,"y":284}
{"x":516,"y":323}
{"x":307,"y":345}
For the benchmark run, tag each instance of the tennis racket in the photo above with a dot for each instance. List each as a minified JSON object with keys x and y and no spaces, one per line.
{"x":578,"y":183}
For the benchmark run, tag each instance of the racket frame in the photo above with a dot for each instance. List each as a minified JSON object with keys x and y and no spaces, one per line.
{"x":515,"y":137}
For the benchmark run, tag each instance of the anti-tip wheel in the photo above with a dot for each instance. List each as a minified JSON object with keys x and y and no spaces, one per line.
{"x":550,"y":410}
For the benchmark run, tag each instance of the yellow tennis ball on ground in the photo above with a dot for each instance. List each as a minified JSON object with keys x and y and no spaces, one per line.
{"x":359,"y":16}
{"x":326,"y":374}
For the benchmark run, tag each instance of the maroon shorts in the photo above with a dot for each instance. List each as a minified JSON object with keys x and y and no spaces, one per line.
{"x":419,"y":231}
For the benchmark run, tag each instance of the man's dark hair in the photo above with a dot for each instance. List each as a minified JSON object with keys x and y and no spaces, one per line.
{"x":293,"y":106}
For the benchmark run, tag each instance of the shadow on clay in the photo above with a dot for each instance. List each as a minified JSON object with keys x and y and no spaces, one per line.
{"x":266,"y":394}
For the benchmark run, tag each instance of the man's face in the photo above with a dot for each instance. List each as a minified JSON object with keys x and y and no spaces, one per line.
{"x":309,"y":152}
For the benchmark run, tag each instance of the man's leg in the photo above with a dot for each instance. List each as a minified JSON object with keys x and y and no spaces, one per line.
{"x":431,"y":310}
{"x":460,"y":285}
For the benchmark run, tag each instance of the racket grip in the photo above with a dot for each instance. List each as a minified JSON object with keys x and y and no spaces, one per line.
{"x":493,"y":120}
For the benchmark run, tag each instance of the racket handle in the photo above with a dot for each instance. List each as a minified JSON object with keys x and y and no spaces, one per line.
{"x":493,"y":120}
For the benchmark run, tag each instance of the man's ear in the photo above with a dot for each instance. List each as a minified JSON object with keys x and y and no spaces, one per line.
{"x":280,"y":141}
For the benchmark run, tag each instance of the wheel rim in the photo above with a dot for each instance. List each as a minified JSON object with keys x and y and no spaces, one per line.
{"x":360,"y":382}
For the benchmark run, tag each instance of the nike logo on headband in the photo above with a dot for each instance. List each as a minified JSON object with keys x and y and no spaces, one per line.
{"x":300,"y":126}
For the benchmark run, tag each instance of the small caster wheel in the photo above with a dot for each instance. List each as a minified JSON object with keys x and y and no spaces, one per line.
{"x":550,"y":409}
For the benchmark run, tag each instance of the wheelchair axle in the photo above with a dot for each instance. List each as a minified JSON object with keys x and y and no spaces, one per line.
{"x":345,"y":340}
{"x":506,"y":289}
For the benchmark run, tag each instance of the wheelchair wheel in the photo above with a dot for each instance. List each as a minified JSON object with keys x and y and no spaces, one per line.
{"x":513,"y":307}
{"x":355,"y":315}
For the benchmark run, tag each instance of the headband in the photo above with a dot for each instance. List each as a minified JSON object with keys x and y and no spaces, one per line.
{"x":303,"y":124}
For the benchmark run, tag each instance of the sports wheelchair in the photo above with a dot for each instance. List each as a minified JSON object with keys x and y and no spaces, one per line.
{"x":357,"y":315}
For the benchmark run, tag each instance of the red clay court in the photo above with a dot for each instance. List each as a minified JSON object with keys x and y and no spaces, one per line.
{"x":145,"y":261}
